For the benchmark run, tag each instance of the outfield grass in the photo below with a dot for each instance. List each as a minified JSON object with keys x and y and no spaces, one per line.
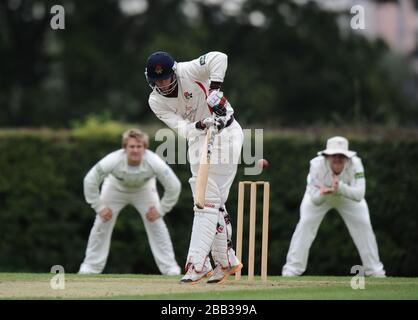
{"x":155,"y":287}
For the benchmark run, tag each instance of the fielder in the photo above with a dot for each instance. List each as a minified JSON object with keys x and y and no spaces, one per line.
{"x":336,"y":181}
{"x":129,"y":176}
{"x":186,"y":96}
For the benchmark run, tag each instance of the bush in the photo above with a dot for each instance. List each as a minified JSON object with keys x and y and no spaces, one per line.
{"x":44,"y":219}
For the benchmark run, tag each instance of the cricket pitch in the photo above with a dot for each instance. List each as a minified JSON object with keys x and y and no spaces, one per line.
{"x":157,"y":287}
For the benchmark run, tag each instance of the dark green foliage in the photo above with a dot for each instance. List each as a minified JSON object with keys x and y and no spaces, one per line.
{"x":300,"y":67}
{"x":44,"y":219}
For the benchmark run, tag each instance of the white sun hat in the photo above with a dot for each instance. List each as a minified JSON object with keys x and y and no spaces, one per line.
{"x":337,"y":145}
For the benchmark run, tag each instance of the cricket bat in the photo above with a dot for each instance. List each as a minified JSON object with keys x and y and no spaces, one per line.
{"x":203,"y":171}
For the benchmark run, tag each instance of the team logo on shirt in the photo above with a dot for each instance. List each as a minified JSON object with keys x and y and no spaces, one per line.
{"x":188,"y":95}
{"x":359,"y":175}
{"x":158,"y":69}
{"x":202,"y":60}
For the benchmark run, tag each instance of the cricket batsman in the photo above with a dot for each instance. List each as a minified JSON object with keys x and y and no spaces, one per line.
{"x":336,"y":180}
{"x":130,"y":176}
{"x":187,"y":97}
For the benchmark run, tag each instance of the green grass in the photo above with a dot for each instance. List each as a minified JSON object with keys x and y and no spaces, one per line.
{"x":155,"y":287}
{"x":329,"y":293}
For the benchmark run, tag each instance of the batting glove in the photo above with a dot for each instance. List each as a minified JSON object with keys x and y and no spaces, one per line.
{"x":219,"y":123}
{"x":217,"y":102}
{"x":205,"y":123}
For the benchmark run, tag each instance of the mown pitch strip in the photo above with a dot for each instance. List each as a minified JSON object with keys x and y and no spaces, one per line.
{"x":113,"y":286}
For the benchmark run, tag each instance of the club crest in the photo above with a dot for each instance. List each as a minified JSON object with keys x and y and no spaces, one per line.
{"x":188,"y":95}
{"x":159,"y":69}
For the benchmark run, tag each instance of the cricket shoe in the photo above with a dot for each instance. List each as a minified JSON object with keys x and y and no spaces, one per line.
{"x":193,"y":277}
{"x":87,"y":270}
{"x":221,"y":274}
{"x":173,"y":273}
{"x":377,"y":275}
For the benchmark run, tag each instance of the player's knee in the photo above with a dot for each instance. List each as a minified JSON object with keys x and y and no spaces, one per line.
{"x":364,"y":223}
{"x":308,"y":224}
{"x":99,"y":224}
{"x":157,"y":225}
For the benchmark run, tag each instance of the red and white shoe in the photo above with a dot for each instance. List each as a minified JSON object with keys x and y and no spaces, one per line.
{"x":221,"y":274}
{"x":193,"y":277}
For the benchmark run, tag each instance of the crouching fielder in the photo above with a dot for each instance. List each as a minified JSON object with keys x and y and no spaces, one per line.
{"x":186,"y":96}
{"x":336,"y":181}
{"x":129,"y":176}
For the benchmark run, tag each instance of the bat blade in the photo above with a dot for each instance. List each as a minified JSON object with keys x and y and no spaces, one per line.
{"x":203,"y":171}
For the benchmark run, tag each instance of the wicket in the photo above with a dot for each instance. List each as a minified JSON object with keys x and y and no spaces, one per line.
{"x":240,"y":221}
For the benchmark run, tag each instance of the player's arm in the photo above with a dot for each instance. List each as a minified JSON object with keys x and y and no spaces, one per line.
{"x":212,"y":66}
{"x":183,"y":127}
{"x":94,"y":179}
{"x":356,"y":191}
{"x":315,"y":184}
{"x":216,"y":64}
{"x":170,"y":182}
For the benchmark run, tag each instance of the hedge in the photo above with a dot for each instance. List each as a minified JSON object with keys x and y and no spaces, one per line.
{"x":44,"y":220}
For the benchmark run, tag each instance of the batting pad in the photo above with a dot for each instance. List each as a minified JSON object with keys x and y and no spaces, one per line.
{"x":220,"y":243}
{"x":203,"y":234}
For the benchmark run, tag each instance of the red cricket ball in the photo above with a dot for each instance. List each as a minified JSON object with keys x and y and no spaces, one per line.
{"x":263,"y":163}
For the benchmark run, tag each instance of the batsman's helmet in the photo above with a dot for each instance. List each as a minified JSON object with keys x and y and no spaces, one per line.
{"x":160,"y":66}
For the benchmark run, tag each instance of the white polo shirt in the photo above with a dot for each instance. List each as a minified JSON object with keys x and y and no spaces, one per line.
{"x":351,"y":185}
{"x":125,"y":178}
{"x":193,"y":78}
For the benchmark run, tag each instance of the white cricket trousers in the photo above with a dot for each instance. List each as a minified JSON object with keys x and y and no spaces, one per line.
{"x":225,"y":157}
{"x":226,"y":152}
{"x":158,"y":235}
{"x":357,"y":219}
